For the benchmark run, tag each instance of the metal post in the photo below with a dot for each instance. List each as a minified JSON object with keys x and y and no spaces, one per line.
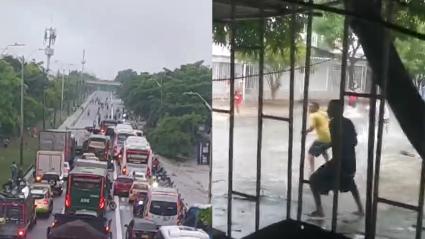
{"x":44,"y":109}
{"x":383,"y":74}
{"x":338,"y":152}
{"x":231,"y":118}
{"x":21,"y":148}
{"x":260,"y":120}
{"x":370,"y":158}
{"x":63,"y":82}
{"x":305,"y":102}
{"x":291,"y":113}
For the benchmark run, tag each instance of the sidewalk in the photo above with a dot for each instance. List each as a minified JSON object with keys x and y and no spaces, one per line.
{"x":189,"y":178}
{"x":72,"y":119}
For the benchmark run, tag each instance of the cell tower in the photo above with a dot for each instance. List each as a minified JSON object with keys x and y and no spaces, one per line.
{"x":49,"y":41}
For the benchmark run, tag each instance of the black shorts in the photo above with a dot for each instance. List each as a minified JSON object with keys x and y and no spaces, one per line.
{"x":323,"y":179}
{"x":317,"y":148}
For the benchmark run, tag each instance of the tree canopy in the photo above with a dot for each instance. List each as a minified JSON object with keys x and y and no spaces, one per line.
{"x":172,"y":117}
{"x":36,"y":87}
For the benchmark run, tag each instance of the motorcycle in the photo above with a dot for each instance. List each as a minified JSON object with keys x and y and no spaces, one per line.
{"x":111,"y":203}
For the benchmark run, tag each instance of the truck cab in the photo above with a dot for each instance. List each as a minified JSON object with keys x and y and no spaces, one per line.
{"x":17,"y":215}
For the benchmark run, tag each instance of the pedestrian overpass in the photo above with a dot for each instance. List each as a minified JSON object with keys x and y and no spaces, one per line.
{"x":104,"y":85}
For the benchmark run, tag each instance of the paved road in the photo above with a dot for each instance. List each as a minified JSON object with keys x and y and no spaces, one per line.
{"x":39,"y":231}
{"x":191,"y":179}
{"x":399,"y":175}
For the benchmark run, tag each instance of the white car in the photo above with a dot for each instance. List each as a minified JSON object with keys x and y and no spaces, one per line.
{"x":139,"y":176}
{"x":66,"y":169}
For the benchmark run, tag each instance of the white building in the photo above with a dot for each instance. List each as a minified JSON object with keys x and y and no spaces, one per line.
{"x":325,"y":74}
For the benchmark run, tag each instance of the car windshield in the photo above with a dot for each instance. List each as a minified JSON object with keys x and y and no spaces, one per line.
{"x":122,"y":137}
{"x":139,"y":186}
{"x":163,"y":208}
{"x":85,"y":183}
{"x":13,"y":213}
{"x":125,"y":180}
{"x":37,"y":195}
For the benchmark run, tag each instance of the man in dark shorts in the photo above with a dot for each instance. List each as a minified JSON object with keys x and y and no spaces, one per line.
{"x":324,"y":179}
{"x":320,"y":123}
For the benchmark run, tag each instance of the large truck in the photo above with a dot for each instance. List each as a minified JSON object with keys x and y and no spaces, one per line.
{"x":49,"y":162}
{"x":58,"y":140}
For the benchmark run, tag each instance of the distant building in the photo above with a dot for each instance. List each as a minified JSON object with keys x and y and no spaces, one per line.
{"x":325,"y":74}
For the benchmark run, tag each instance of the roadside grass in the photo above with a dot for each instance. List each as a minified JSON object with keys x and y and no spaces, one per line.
{"x":11,"y":154}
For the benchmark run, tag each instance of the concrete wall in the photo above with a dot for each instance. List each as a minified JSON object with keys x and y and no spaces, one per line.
{"x":325,"y":77}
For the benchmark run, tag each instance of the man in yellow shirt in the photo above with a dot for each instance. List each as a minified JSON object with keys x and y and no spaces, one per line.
{"x":320,"y":123}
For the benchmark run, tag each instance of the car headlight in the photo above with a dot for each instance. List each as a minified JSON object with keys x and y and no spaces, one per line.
{"x":140,"y":203}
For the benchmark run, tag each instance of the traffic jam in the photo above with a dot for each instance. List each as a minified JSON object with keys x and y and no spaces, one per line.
{"x":115,"y":161}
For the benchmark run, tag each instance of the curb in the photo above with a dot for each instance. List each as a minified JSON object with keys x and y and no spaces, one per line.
{"x":29,"y":171}
{"x":84,"y":105}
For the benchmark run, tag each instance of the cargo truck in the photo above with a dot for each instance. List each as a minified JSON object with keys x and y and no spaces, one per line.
{"x":49,"y":162}
{"x":58,"y":140}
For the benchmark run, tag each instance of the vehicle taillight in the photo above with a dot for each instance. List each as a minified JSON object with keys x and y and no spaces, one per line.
{"x":38,"y":178}
{"x":21,"y":232}
{"x":107,"y":229}
{"x":124,"y":170}
{"x":102,"y":203}
{"x":68,"y":200}
{"x":45,"y":201}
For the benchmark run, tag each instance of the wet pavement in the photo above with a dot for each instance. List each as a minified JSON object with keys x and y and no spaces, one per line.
{"x":81,"y":121}
{"x":399,"y":179}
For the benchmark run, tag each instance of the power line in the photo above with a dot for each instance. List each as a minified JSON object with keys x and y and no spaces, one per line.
{"x":272,"y":72}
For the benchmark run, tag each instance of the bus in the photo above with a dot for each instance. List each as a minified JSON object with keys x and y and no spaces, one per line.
{"x":88,"y":190}
{"x":137,"y":156}
{"x":104,"y":124}
{"x":120,"y":136}
{"x":99,"y":145}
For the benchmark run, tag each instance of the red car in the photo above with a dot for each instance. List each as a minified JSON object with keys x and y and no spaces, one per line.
{"x":122,"y":185}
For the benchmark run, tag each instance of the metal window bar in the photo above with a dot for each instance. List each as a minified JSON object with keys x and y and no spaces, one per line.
{"x":304,"y":117}
{"x":260,"y":119}
{"x":376,"y":198}
{"x":371,"y":202}
{"x":231,"y":119}
{"x":291,"y":112}
{"x":261,"y":115}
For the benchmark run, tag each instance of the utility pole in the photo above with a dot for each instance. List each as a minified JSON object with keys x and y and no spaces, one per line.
{"x":83,"y":62}
{"x":21,"y":148}
{"x":49,"y":41}
{"x":63,"y":83}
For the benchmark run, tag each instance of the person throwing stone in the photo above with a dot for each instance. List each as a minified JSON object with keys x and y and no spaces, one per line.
{"x":324,"y":179}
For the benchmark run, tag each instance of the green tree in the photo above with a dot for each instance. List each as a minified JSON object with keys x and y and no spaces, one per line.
{"x":172,"y":118}
{"x":330,"y":27}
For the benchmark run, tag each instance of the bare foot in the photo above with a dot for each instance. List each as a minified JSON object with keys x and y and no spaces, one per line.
{"x":359,"y":213}
{"x":317,"y":214}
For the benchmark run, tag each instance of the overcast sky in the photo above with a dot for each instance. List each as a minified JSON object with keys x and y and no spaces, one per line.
{"x":145,"y":35}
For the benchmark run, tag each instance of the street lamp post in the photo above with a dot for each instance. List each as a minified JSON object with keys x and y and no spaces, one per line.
{"x":63,"y":83}
{"x":160,"y":86}
{"x":200,"y":97}
{"x":210,"y":139}
{"x":21,"y":146}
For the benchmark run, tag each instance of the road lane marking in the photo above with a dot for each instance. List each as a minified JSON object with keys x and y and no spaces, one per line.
{"x":117,"y":213}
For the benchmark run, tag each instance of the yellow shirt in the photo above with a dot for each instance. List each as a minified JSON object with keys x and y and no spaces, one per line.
{"x":320,"y":122}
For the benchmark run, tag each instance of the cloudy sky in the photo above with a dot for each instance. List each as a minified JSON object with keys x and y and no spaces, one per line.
{"x":145,"y":35}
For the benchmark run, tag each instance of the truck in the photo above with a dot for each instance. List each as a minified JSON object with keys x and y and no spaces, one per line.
{"x":49,"y":162}
{"x":58,"y":140}
{"x":17,"y":215}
